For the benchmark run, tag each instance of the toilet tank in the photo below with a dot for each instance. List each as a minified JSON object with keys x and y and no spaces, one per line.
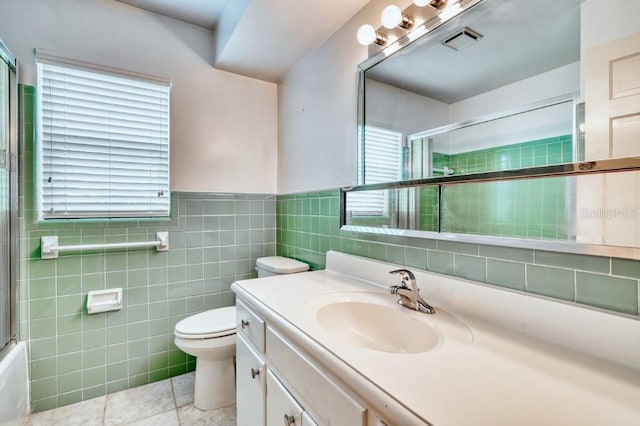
{"x":278,"y":265}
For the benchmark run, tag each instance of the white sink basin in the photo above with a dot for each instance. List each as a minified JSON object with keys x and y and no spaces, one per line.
{"x":377,"y":327}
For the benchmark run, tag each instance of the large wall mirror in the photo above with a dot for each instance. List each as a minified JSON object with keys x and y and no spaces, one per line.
{"x":505,"y":87}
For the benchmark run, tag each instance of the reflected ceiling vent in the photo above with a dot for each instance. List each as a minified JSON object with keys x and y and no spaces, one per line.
{"x":462,"y":39}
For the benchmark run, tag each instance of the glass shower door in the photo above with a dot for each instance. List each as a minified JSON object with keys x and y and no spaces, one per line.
{"x":7,"y":201}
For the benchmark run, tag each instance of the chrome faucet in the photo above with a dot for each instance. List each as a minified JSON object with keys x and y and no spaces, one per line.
{"x":410,"y":297}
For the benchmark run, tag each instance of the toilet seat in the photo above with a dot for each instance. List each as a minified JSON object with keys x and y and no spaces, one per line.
{"x":209,"y":324}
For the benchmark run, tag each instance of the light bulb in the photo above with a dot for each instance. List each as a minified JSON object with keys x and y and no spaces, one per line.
{"x":366,"y":34}
{"x":421,"y":3}
{"x":391,"y":16}
{"x":450,"y":11}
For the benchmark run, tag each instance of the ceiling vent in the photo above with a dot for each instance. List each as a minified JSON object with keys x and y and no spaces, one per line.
{"x":462,"y":39}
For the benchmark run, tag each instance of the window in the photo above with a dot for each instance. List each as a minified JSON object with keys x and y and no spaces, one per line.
{"x":380,"y":160}
{"x":103,"y":148}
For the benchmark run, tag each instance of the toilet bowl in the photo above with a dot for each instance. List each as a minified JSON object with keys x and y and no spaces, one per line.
{"x":210,"y":336}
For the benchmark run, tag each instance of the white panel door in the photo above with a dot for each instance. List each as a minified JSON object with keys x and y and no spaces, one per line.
{"x":612,"y":99}
{"x":608,"y":205}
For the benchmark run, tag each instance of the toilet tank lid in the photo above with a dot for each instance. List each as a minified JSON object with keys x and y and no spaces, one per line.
{"x":281,"y":265}
{"x":208,"y":322}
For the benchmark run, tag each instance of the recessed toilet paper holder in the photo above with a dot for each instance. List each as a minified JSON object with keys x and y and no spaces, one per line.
{"x":104,"y":300}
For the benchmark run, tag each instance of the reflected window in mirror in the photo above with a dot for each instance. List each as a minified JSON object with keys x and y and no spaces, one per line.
{"x":380,"y":155}
{"x":405,"y":208}
{"x":381,"y":151}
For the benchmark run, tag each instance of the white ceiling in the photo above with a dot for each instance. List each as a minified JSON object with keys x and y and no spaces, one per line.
{"x":204,"y":13}
{"x":259,"y":38}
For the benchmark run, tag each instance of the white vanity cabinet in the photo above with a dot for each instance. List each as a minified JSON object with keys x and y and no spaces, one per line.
{"x":483,"y":353}
{"x":277,"y":384}
{"x":250,"y":384}
{"x":261,"y":398}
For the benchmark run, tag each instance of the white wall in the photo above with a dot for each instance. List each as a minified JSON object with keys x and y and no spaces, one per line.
{"x":537,"y":88}
{"x":223,"y":126}
{"x":604,"y":20}
{"x":548,"y":122}
{"x":401,"y":110}
{"x":411,"y":113}
{"x":318,"y":111}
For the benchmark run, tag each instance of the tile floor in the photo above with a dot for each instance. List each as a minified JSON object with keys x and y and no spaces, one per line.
{"x":165,"y":403}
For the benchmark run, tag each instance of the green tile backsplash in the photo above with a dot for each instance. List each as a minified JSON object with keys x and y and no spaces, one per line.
{"x":602,"y":282}
{"x":214,"y":240}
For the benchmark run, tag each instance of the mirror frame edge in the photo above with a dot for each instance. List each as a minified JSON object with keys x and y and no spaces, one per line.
{"x":616,"y":165}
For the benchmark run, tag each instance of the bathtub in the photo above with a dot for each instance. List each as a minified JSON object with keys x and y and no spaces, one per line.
{"x":14,"y":386}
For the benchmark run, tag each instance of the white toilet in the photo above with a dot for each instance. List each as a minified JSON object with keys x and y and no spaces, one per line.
{"x":210,"y":336}
{"x":278,"y":265}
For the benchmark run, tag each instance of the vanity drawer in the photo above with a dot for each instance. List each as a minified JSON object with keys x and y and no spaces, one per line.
{"x":250,"y":325}
{"x":328,"y":403}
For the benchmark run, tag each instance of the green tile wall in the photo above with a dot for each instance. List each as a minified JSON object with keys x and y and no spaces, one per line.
{"x":214,"y":240}
{"x":308,"y":226}
{"x":509,"y":209}
{"x":429,"y":208}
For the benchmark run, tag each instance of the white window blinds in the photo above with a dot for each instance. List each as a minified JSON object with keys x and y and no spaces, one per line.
{"x":103,"y":144}
{"x":380,"y":161}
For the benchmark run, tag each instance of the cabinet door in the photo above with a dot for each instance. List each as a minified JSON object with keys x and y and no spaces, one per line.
{"x":282,"y":409}
{"x":321,"y":396}
{"x":250,"y":394}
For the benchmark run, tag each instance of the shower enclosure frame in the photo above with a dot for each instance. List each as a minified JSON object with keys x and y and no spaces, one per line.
{"x":9,"y":319}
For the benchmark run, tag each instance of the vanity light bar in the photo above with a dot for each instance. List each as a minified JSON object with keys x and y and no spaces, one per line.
{"x":393,"y":18}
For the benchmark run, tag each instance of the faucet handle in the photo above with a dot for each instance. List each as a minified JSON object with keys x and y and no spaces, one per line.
{"x":394,"y":289}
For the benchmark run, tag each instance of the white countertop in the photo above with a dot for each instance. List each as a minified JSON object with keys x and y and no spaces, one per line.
{"x":500,"y":376}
